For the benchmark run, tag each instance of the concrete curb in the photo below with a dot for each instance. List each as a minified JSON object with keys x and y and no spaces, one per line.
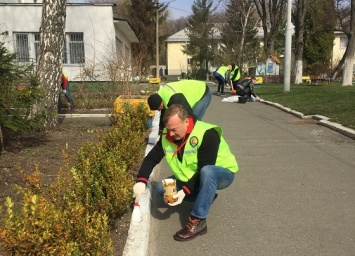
{"x":323,"y":120}
{"x":138,"y":233}
{"x":82,"y":115}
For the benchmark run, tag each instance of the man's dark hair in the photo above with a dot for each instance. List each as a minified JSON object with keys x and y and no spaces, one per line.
{"x":154,"y":101}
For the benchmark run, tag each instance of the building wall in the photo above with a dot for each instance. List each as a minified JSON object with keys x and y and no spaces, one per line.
{"x":94,"y":21}
{"x":99,"y":38}
{"x":176,"y":59}
{"x":338,"y":49}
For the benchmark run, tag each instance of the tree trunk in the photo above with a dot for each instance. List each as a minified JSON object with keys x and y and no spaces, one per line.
{"x":2,"y":146}
{"x":52,"y":33}
{"x":299,"y":29}
{"x":348,"y":71}
{"x":350,"y":50}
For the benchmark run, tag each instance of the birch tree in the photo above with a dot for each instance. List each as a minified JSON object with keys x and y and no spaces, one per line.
{"x":49,"y":70}
{"x":350,"y":50}
{"x":272,"y":14}
{"x":346,"y":20}
{"x":298,"y":17}
{"x":239,"y":30}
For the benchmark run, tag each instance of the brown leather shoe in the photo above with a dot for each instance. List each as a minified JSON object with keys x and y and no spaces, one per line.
{"x":193,"y":228}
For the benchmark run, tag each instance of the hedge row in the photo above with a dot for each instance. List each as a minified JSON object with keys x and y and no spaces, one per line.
{"x":72,"y":216}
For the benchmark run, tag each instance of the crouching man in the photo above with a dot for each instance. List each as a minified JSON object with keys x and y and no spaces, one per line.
{"x":201,"y":163}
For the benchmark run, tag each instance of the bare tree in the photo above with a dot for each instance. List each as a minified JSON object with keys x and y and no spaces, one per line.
{"x":298,"y":17}
{"x":50,"y":56}
{"x":272,"y":14}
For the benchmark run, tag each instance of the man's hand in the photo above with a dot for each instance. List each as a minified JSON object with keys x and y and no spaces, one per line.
{"x":179,"y":196}
{"x":138,"y":190}
{"x":65,"y":91}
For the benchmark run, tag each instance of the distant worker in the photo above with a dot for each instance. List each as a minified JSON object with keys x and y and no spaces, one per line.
{"x":222,"y":75}
{"x":234,"y":75}
{"x":66,"y":90}
{"x":246,"y":89}
{"x":193,"y":95}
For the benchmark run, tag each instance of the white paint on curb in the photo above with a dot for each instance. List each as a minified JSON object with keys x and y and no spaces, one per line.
{"x":138,"y":233}
{"x":83,"y":115}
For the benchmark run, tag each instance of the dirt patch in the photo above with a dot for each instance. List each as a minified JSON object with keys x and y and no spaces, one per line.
{"x":304,"y":122}
{"x":45,"y":149}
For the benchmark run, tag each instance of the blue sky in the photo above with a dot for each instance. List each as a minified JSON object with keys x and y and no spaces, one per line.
{"x":179,"y":8}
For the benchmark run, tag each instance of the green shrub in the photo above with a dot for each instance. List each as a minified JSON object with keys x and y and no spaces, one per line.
{"x":105,"y":172}
{"x":52,"y":227}
{"x":19,"y":93}
{"x":72,"y":215}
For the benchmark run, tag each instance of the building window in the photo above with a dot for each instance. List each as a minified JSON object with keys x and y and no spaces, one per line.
{"x":36,"y":44}
{"x":343,"y":42}
{"x":27,"y":47}
{"x":22,"y":47}
{"x":74,"y":52}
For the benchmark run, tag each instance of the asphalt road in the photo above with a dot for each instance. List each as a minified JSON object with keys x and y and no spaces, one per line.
{"x":293,"y":195}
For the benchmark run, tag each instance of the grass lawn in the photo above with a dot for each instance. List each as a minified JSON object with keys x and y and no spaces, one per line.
{"x":333,"y":100}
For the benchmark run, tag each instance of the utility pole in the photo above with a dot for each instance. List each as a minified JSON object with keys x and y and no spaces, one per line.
{"x":288,"y":39}
{"x":157,"y":39}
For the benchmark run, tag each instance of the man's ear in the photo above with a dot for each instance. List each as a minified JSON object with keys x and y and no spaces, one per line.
{"x":187,"y":121}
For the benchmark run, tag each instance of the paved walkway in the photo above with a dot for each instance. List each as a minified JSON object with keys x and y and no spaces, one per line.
{"x":294,"y":193}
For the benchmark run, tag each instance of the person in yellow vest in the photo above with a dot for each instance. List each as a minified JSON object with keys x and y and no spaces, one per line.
{"x":194,"y":95}
{"x":222,"y":76}
{"x":201,"y":163}
{"x":234,"y":77}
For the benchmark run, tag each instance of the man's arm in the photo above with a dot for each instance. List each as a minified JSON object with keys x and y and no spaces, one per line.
{"x":153,"y":158}
{"x":251,"y":86}
{"x":206,"y":155}
{"x":161,"y":123}
{"x":227,"y":76}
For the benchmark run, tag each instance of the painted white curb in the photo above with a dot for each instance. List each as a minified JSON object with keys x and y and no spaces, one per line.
{"x":138,"y":233}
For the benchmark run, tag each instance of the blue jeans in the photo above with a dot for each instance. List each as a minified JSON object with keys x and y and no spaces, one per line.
{"x":68,"y":97}
{"x":200,"y":107}
{"x":212,"y":178}
{"x":221,"y":82}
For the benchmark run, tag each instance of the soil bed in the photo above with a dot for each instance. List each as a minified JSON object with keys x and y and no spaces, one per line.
{"x":45,"y":149}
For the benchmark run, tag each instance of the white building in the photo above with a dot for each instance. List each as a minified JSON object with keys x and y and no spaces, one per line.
{"x":93,"y":37}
